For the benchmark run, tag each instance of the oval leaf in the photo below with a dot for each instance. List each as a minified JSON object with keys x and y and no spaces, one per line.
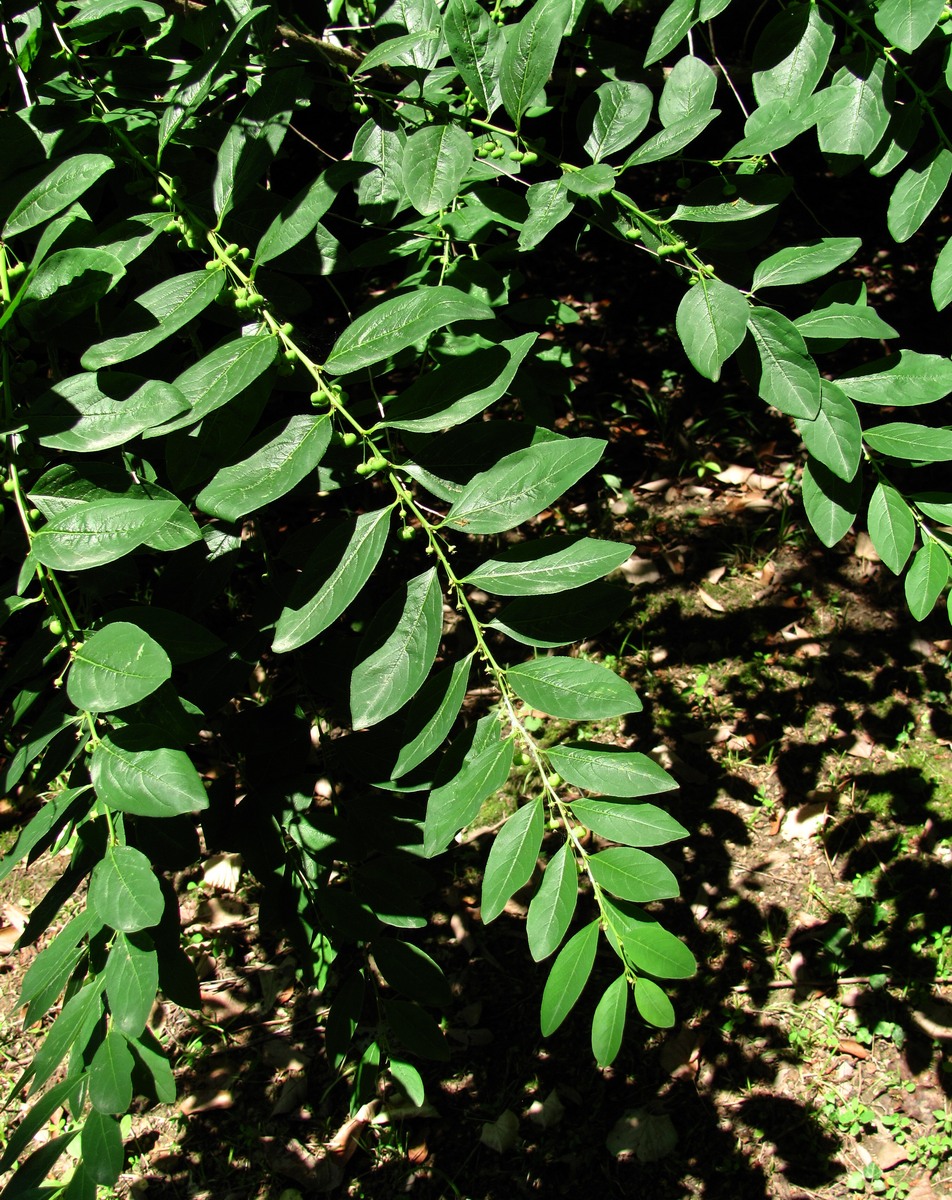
{"x":572,"y":689}
{"x":568,"y":976}
{"x":605,"y":769}
{"x":711,"y":323}
{"x":134,"y":771}
{"x":124,"y":891}
{"x":512,"y":858}
{"x":608,"y":1023}
{"x":117,"y":666}
{"x":552,"y":907}
{"x":632,"y":874}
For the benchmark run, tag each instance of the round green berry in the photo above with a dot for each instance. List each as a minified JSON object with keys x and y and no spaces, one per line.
{"x":377,"y":463}
{"x":684,"y":182}
{"x":517,"y":155}
{"x":349,"y":438}
{"x":56,"y":628}
{"x":9,"y":485}
{"x":406,"y":533}
{"x":530,"y":157}
{"x":364,"y":468}
{"x":729,"y":189}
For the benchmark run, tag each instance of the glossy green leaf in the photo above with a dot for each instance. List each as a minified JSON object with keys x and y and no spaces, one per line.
{"x":775,"y":125}
{"x":409,"y":970}
{"x":431,"y":715}
{"x":134,"y":771}
{"x":671,"y":141}
{"x":548,"y":565}
{"x":18,"y":1139}
{"x":553,"y":906}
{"x":648,"y":946}
{"x":110,"y":1075}
{"x":220,"y":376}
{"x":380,"y":142}
{"x":409,"y":1079}
{"x":512,"y":858}
{"x":89,"y":535}
{"x":52,"y":815}
{"x":613,"y":772}
{"x":941,"y":286}
{"x":549,"y":205}
{"x":66,"y":284}
{"x":789,"y":378}
{"x":529,"y":56}
{"x":420,"y":17}
{"x":300,"y":216}
{"x":397,"y":651}
{"x":834,"y":436}
{"x":156,"y":315}
{"x":48,"y":974}
{"x":672,"y":27}
{"x":712,"y":203}
{"x":608,"y":1023}
{"x":595,"y":180}
{"x":632,"y":874}
{"x":831,"y":503}
{"x":711,"y":323}
{"x":476,"y":44}
{"x":291,"y":451}
{"x":70,"y":1030}
{"x":915,"y":443}
{"x":333,"y":576}
{"x":800,"y":264}
{"x":855,"y":122}
{"x":397,"y":323}
{"x":792,"y":53}
{"x":903,"y":379}
{"x":572,"y":689}
{"x":926,"y":578}
{"x":149,"y":1052}
{"x":91,"y":411}
{"x":917,"y":192}
{"x":568,"y":976}
{"x":124,"y":891}
{"x":653,"y":1004}
{"x":435,"y":159}
{"x":66,"y":182}
{"x":132,"y":980}
{"x":101,"y":1146}
{"x":465,"y":782}
{"x":892,"y":526}
{"x":117,"y":666}
{"x":839,"y":320}
{"x":398,"y":51}
{"x":630,"y":824}
{"x":937,"y":505}
{"x":907,"y":23}
{"x":688,"y":91}
{"x":563,"y":617}
{"x":613,"y":116}
{"x":521,"y":484}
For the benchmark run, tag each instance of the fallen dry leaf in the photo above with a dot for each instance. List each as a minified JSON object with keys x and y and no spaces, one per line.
{"x":679,"y":1054}
{"x":800,"y":824}
{"x":864,"y":548}
{"x":639,"y":1132}
{"x":222,"y":871}
{"x":734,"y":475}
{"x":853,"y":1048}
{"x":922,"y":1189}
{"x":710,"y":602}
{"x":547,"y":1112}
{"x":862,"y":747}
{"x":9,"y":936}
{"x":716,"y":574}
{"x":219,"y":912}
{"x":502,"y":1134}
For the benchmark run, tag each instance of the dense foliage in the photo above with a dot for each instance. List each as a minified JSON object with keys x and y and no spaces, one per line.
{"x":254,"y":568}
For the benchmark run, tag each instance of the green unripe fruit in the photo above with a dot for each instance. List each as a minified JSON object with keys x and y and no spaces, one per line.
{"x":363,"y":109}
{"x":517,"y":155}
{"x":684,"y":182}
{"x":632,"y":234}
{"x":244,"y":253}
{"x":290,"y":355}
{"x":16,"y":271}
{"x":158,"y":200}
{"x":406,"y":534}
{"x":554,"y":780}
{"x":255,"y":298}
{"x":349,"y":439}
{"x":497,"y":152}
{"x":482,"y":150}
{"x":33,"y":514}
{"x":232,"y":249}
{"x":377,"y":463}
{"x":363,"y":469}
{"x":241,"y":303}
{"x":530,"y":157}
{"x":729,"y":189}
{"x":56,"y":628}
{"x":287,"y":328}
{"x":9,"y":485}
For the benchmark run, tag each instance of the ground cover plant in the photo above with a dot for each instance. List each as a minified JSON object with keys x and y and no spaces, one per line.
{"x":304,"y":518}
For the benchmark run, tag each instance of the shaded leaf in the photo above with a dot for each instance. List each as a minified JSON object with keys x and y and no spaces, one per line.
{"x":608,"y":1023}
{"x":568,"y":977}
{"x":553,"y":906}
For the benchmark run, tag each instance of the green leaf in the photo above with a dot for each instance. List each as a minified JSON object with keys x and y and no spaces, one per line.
{"x":789,"y":378}
{"x":416,"y":1029}
{"x":419,"y":17}
{"x":552,"y":907}
{"x":529,"y":56}
{"x":42,"y":1108}
{"x":907,"y":23}
{"x":117,"y":666}
{"x":300,"y":216}
{"x":648,"y":946}
{"x":134,"y":771}
{"x":572,"y":689}
{"x":568,"y":977}
{"x":892,"y":526}
{"x":926,"y":578}
{"x":834,"y":436}
{"x":903,"y":379}
{"x":917,"y":192}
{"x":156,"y":315}
{"x":653,"y":1004}
{"x":549,"y":205}
{"x":91,"y":411}
{"x":858,"y":114}
{"x":50,"y":971}
{"x":941,"y":286}
{"x":711,"y":323}
{"x":219,"y":377}
{"x":630,"y":824}
{"x":475,"y":44}
{"x":398,"y":323}
{"x":556,"y":620}
{"x":66,"y":284}
{"x":132,"y":980}
{"x":595,"y":180}
{"x":551,"y":564}
{"x":608,"y":1023}
{"x":937,"y":505}
{"x":70,"y":1031}
{"x":409,"y":970}
{"x":149,"y":1053}
{"x":459,"y":388}
{"x":752,"y":196}
{"x":380,"y":142}
{"x":839,"y":320}
{"x":613,"y":116}
{"x":110,"y":1075}
{"x":397,"y":651}
{"x":124,"y":891}
{"x":431,"y":715}
{"x":464,"y":782}
{"x":101,"y":1146}
{"x":512,"y":858}
{"x":792,"y":53}
{"x":89,"y":535}
{"x":632,"y":874}
{"x":435,"y":159}
{"x":333,"y":576}
{"x":671,"y":141}
{"x":66,"y":182}
{"x":831,"y":503}
{"x":915,"y":443}
{"x":400,"y":51}
{"x":800,"y":264}
{"x":613,"y":772}
{"x":52,"y":816}
{"x":290,"y":451}
{"x":521,"y":484}
{"x":672,"y":28}
{"x":688,"y":91}
{"x":775,"y":125}
{"x":409,"y":1079}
